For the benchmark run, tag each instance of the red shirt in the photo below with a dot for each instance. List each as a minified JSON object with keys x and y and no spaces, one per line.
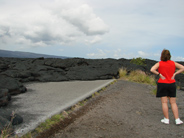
{"x":167,"y":69}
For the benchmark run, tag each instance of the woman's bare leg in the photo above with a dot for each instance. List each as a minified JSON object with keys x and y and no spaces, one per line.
{"x":174,"y":107}
{"x":165,"y":107}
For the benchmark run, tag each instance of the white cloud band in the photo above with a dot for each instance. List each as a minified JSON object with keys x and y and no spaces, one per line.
{"x":49,"y":23}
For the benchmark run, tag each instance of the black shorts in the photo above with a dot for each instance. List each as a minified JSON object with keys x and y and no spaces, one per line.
{"x":165,"y":89}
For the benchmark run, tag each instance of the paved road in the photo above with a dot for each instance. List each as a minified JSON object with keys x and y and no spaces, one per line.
{"x":43,"y":100}
{"x":124,"y":110}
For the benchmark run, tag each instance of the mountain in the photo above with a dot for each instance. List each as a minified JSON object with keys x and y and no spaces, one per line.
{"x":19,"y":54}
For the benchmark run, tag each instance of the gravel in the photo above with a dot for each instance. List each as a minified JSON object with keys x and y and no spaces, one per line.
{"x":123,"y":110}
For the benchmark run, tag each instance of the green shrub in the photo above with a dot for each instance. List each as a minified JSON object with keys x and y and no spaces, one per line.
{"x":138,"y":61}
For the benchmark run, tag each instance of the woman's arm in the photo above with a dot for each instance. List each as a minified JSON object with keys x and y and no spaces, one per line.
{"x":154,"y":69}
{"x":180,"y":67}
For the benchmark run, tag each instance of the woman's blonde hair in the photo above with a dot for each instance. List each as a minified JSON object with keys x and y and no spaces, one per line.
{"x":165,"y":55}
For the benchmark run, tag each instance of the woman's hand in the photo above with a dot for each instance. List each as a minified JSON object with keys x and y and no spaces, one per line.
{"x":162,"y":77}
{"x":173,"y":77}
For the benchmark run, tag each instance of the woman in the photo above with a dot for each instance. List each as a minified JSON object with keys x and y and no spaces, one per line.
{"x":166,"y":87}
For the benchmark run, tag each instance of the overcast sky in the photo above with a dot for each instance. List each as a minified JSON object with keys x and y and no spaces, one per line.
{"x":94,"y":28}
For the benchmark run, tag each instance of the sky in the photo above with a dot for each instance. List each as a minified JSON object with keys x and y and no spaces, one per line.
{"x":94,"y":29}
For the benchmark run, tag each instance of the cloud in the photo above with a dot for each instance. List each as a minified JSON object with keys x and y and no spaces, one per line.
{"x":99,"y":54}
{"x":113,"y":29}
{"x":128,"y":54}
{"x":93,"y":40}
{"x":85,"y":20}
{"x":178,"y":58}
{"x":46,"y":23}
{"x":117,"y":54}
{"x":143,"y":54}
{"x":144,"y":23}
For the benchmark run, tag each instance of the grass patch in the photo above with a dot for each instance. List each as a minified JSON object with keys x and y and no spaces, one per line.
{"x":50,"y":122}
{"x":28,"y":135}
{"x":5,"y":133}
{"x":95,"y":94}
{"x":137,"y":76}
{"x":122,"y":72}
{"x":141,"y":77}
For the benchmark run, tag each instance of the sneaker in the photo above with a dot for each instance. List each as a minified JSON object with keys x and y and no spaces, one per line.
{"x":165,"y":121}
{"x":178,"y":121}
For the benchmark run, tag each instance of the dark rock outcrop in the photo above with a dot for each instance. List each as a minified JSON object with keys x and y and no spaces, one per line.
{"x":15,"y":71}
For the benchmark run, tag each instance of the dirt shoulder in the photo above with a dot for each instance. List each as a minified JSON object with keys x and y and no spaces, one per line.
{"x":123,"y":110}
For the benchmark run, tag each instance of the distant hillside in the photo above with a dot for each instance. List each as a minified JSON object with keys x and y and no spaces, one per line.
{"x":19,"y":54}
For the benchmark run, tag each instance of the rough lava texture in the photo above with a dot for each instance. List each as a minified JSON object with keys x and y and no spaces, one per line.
{"x":14,"y":72}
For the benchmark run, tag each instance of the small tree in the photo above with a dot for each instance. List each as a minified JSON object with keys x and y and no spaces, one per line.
{"x":138,"y":61}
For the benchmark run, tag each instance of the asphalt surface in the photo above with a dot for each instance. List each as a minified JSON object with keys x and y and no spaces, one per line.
{"x":43,"y":100}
